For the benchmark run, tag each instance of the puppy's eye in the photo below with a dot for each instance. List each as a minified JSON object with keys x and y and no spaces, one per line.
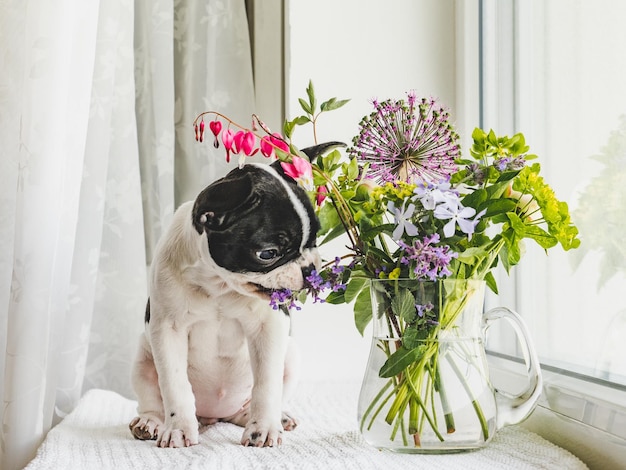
{"x":267,"y":255}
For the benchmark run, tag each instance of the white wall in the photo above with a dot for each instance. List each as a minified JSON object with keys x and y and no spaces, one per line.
{"x":359,"y":49}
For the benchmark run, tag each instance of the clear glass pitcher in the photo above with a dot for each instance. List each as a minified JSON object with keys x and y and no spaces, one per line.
{"x":426,"y":387}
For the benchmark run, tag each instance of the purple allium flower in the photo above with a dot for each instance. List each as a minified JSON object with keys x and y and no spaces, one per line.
{"x":409,"y":141}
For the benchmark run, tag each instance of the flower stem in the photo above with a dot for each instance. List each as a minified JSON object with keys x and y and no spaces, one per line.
{"x":470,"y":393}
{"x":373,"y":403}
{"x":443,"y":396}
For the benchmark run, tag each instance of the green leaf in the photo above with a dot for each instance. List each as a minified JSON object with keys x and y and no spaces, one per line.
{"x":302,"y":120}
{"x":511,"y":251}
{"x":353,"y":169}
{"x":325,"y":104}
{"x":331,"y":159}
{"x":498,"y":206}
{"x":354,"y":288}
{"x":491,"y":282}
{"x":332,"y":104}
{"x":517,"y":224}
{"x":311,"y":94}
{"x":288,"y":128}
{"x":363,"y":309}
{"x":543,"y":238}
{"x":472,"y":255}
{"x":403,"y":305}
{"x":399,"y":360}
{"x":335,"y":298}
{"x":478,"y":135}
{"x":328,"y":218}
{"x":475,"y":198}
{"x":381,"y":254}
{"x":305,"y":106}
{"x":413,"y":336}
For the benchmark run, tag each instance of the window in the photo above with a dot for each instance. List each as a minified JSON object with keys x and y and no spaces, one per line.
{"x":556,"y":71}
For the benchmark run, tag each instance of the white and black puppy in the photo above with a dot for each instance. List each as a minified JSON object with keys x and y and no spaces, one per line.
{"x":213,"y":349}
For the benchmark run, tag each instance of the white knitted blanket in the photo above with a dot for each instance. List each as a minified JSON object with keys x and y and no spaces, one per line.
{"x":95,"y":436}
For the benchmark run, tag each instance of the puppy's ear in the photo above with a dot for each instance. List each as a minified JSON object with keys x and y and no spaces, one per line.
{"x":321,"y":149}
{"x":217,"y":206}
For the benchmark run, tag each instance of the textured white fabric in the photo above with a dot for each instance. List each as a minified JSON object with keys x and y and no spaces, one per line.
{"x":96,"y":436}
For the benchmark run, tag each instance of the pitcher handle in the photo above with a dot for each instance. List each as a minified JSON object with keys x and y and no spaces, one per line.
{"x":514,"y":408}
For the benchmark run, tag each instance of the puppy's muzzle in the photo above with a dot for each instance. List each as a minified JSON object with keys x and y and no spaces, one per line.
{"x":308,"y":270}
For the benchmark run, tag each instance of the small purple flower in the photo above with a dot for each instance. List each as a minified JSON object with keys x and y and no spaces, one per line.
{"x":283,"y":297}
{"x":329,"y":279}
{"x":424,"y":309}
{"x":502,"y":164}
{"x":476,"y":174}
{"x":337,"y":268}
{"x":510,"y":164}
{"x":430,"y":194}
{"x":402,"y":219}
{"x":428,"y":260}
{"x":457,"y":214}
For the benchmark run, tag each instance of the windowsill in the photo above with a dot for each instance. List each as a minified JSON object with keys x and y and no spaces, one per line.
{"x":586,"y":418}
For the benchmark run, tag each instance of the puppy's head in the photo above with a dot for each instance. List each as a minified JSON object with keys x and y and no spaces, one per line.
{"x":260,"y":226}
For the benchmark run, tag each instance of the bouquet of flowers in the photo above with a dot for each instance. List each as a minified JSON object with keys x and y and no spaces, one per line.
{"x":412,"y":209}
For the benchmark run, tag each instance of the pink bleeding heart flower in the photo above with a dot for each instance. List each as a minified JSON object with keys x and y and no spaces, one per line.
{"x":300,"y":170}
{"x":270,"y":142}
{"x":228,"y":137}
{"x":248,"y":143}
{"x":279,"y":142}
{"x":322,"y":192}
{"x":216,"y":127}
{"x":267,"y":149}
{"x":238,"y":140}
{"x":202,"y":130}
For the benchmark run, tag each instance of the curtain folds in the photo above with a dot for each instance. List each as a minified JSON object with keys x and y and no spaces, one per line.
{"x":96,"y":152}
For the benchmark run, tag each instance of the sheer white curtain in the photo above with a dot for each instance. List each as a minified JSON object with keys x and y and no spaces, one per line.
{"x":93,"y":97}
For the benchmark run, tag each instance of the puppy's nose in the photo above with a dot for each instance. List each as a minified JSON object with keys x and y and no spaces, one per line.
{"x":308,"y":270}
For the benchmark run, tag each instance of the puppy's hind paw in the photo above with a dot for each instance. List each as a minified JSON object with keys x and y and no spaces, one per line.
{"x":289,"y":422}
{"x":144,"y":428}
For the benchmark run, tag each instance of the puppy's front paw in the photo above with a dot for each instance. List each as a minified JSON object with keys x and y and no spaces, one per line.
{"x":262,"y":434}
{"x":178,"y":433}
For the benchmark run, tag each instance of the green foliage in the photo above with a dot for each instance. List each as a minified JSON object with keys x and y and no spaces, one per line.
{"x":311,"y":112}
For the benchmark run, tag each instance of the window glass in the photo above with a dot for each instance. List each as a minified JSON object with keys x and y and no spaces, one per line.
{"x":562,"y":64}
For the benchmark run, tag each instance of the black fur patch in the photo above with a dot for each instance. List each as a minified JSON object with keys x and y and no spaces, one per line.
{"x":147,"y":316}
